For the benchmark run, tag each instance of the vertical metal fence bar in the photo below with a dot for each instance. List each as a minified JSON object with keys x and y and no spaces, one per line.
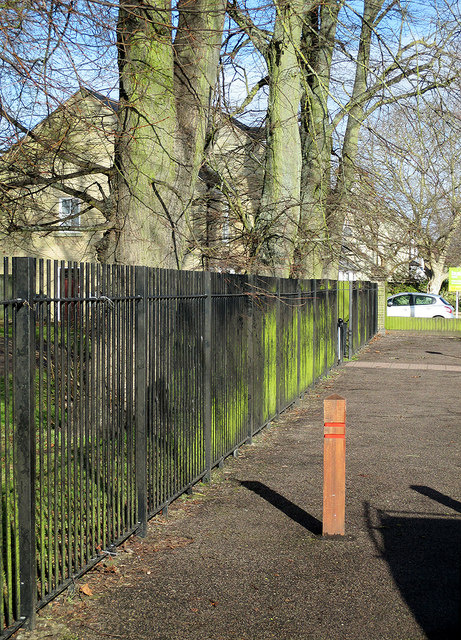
{"x":298,"y":337}
{"x":327,"y":325}
{"x":24,"y":411}
{"x":315,"y":345}
{"x":141,"y":350}
{"x":207,"y":417}
{"x":351,"y":319}
{"x":278,"y":350}
{"x":376,"y":302}
{"x":9,"y":570}
{"x":117,"y":469}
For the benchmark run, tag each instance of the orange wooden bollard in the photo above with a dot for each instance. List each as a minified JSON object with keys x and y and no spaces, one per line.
{"x":334,"y":466}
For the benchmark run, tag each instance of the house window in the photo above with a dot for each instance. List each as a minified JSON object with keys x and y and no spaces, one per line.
{"x":69,"y":210}
{"x":225,"y":228}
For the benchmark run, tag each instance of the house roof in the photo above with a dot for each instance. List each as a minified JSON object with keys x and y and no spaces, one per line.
{"x":108,"y":102}
{"x":257,"y":133}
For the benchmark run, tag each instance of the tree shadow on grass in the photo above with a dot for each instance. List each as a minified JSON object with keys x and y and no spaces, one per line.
{"x":285,"y":506}
{"x":424,"y":555}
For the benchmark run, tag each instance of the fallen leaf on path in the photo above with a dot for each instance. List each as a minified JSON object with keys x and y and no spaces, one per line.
{"x":85,"y":589}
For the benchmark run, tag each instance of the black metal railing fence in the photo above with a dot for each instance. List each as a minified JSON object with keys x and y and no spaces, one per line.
{"x":121,"y":387}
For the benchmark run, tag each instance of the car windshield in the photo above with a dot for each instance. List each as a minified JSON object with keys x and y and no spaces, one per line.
{"x":444,"y":301}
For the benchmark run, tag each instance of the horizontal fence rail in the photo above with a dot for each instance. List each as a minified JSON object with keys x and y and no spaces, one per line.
{"x":448,"y":326}
{"x":121,"y":387}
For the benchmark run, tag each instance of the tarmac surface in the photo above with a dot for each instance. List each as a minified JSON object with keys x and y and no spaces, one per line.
{"x":243,"y":558}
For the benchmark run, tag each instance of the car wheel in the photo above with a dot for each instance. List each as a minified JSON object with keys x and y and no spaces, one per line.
{"x":437,"y":316}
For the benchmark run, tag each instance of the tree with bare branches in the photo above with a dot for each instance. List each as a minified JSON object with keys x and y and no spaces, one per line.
{"x":347,"y":63}
{"x":415,"y":171}
{"x":164,"y":84}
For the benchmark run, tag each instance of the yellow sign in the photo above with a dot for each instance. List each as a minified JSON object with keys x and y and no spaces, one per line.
{"x":454,"y":279}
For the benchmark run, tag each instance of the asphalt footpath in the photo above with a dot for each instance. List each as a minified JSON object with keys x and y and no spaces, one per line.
{"x":244,"y":559}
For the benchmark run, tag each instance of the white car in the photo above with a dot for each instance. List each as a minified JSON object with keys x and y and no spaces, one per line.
{"x":419,"y":305}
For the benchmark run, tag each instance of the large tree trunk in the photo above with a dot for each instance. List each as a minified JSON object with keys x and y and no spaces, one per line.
{"x":197,"y":47}
{"x":277,"y":220}
{"x":438,"y":272}
{"x":356,"y":116}
{"x":318,"y":45}
{"x":165,"y":95}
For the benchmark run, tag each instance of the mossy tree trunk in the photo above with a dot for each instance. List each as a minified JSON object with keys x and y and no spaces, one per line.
{"x":167,"y":79}
{"x":277,"y":219}
{"x":404,"y":69}
{"x":317,"y":52}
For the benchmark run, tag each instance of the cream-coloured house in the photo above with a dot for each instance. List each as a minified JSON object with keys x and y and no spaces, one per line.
{"x":50,"y":179}
{"x":54,"y":186}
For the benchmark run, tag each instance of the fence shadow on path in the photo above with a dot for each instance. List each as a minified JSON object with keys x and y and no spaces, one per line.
{"x":424,"y":555}
{"x":287,"y":507}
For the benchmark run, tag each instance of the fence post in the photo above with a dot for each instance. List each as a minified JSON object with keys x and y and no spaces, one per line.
{"x":327,"y":324}
{"x":336,"y":329}
{"x":382,"y":308}
{"x":375,"y":306}
{"x":25,"y":437}
{"x":207,"y":421}
{"x":278,"y":351}
{"x":351,"y":319}
{"x":314,"y":330}
{"x":141,"y":350}
{"x":298,"y":324}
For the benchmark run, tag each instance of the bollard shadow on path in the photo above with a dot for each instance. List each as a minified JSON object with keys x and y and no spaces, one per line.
{"x":423,"y":553}
{"x":287,"y":507}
